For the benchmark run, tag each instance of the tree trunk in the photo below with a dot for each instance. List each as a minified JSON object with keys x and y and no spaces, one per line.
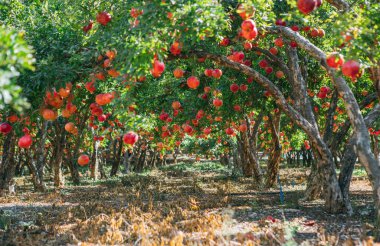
{"x":275,"y":155}
{"x":7,"y":165}
{"x":117,"y":157}
{"x":40,"y":185}
{"x":58,"y":156}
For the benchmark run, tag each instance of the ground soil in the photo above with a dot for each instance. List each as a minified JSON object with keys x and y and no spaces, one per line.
{"x":175,"y":207}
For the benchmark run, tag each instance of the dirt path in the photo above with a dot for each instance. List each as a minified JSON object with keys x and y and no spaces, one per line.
{"x":177,"y":206}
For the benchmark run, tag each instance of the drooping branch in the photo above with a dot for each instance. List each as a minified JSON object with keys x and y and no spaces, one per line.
{"x":367,"y":158}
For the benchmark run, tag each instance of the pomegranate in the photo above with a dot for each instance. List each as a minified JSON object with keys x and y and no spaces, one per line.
{"x":229,"y":131}
{"x":25,"y":141}
{"x":130,"y":138}
{"x":208,"y":72}
{"x":193,"y":82}
{"x":5,"y":128}
{"x":49,"y":114}
{"x":243,"y":87}
{"x":178,"y":73}
{"x":176,"y":105}
{"x":103,"y":18}
{"x":351,"y":69}
{"x":306,"y":6}
{"x":217,"y":73}
{"x":234,"y":88}
{"x":335,"y":60}
{"x":83,"y":160}
{"x":273,"y":51}
{"x":217,"y":102}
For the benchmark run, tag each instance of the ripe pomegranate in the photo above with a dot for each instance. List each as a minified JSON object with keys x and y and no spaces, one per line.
{"x":293,"y":44}
{"x":5,"y":128}
{"x":335,"y":60}
{"x":279,"y":42}
{"x":268,"y":70}
{"x":207,"y":130}
{"x":164,"y":116}
{"x":176,"y":105}
{"x":130,"y":138}
{"x":306,"y":6}
{"x":243,"y":87}
{"x":273,"y":51}
{"x":25,"y":141}
{"x":248,"y":46}
{"x":83,"y":160}
{"x":217,"y":73}
{"x":321,"y":32}
{"x":314,"y":32}
{"x":188,"y":129}
{"x":280,"y":22}
{"x":103,"y":99}
{"x":49,"y":114}
{"x":103,"y":18}
{"x":193,"y":82}
{"x":208,"y":72}
{"x":178,"y":73}
{"x":248,"y":25}
{"x":243,"y":128}
{"x":102,"y":118}
{"x":234,"y":88}
{"x":217,"y":102}
{"x":69,"y":127}
{"x":229,"y":131}
{"x":295,"y":28}
{"x":279,"y":74}
{"x":225,"y":42}
{"x":263,"y":63}
{"x":237,"y":108}
{"x":250,"y":35}
{"x":351,"y":69}
{"x":176,"y":48}
{"x":158,"y":68}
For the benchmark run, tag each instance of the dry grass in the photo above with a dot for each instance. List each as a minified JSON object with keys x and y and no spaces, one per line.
{"x":179,"y":208}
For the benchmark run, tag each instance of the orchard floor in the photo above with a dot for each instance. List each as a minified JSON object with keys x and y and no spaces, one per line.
{"x":199,"y":204}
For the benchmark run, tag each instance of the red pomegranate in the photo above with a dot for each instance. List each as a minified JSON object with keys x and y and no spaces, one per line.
{"x":207,"y":130}
{"x":335,"y":60}
{"x":217,"y":102}
{"x":176,"y":105}
{"x":25,"y":141}
{"x":243,"y":87}
{"x":279,"y":42}
{"x":243,"y":128}
{"x":306,"y":6}
{"x":130,"y":138}
{"x":217,"y":73}
{"x":49,"y":114}
{"x":208,"y":72}
{"x":234,"y":88}
{"x":193,"y":82}
{"x":83,"y":160}
{"x":103,"y":18}
{"x":263,"y":63}
{"x":351,"y":69}
{"x":229,"y":131}
{"x":273,"y":51}
{"x":178,"y":73}
{"x":5,"y":128}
